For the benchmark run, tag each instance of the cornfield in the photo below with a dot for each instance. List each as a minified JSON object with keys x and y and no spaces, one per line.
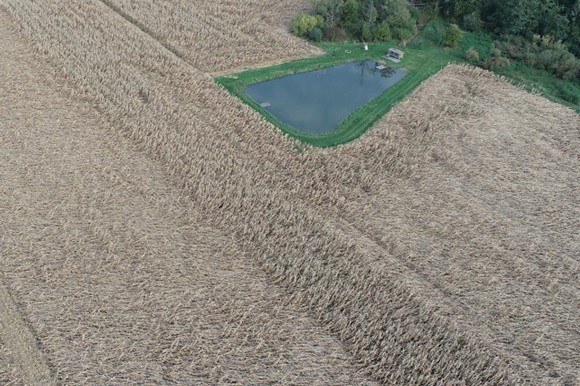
{"x":158,"y":230}
{"x":219,"y":35}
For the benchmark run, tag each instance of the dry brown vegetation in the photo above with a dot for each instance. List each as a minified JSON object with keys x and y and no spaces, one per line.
{"x":220,"y":35}
{"x":440,"y":248}
{"x":8,"y":373}
{"x":120,"y":278}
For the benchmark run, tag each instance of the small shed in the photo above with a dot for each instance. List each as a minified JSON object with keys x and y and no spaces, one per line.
{"x":395,"y":54}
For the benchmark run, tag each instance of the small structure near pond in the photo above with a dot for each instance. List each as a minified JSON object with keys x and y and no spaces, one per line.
{"x":394,"y":55}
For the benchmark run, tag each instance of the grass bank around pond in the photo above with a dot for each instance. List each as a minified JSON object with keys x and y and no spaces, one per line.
{"x":423,"y":58}
{"x":419,"y":63}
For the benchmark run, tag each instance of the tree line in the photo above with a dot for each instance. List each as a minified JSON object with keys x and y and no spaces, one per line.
{"x":541,"y":33}
{"x":376,"y":20}
{"x":557,"y":19}
{"x":363,"y":20}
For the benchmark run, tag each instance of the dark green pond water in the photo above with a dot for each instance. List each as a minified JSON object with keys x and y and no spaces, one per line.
{"x":316,"y":102}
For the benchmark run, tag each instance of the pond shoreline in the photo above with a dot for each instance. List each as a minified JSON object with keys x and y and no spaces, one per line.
{"x":315,"y":102}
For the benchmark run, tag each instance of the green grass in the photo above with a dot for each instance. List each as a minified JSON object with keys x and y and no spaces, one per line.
{"x":551,"y":87}
{"x":423,"y":57}
{"x":419,"y":63}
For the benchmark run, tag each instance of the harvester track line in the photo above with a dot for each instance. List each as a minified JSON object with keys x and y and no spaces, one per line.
{"x":21,"y":343}
{"x":146,"y":30}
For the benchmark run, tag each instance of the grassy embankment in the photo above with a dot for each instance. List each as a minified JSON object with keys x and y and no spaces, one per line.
{"x":424,"y":56}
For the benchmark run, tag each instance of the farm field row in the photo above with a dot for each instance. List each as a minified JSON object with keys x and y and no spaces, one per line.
{"x":413,"y":233}
{"x":9,"y":375}
{"x":490,"y":216}
{"x":119,"y":277}
{"x":220,"y":36}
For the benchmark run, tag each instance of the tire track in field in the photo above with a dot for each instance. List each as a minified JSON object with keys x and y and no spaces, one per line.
{"x":367,"y":240}
{"x":20,"y":342}
{"x":144,"y":29}
{"x":364,"y":240}
{"x":132,"y":217}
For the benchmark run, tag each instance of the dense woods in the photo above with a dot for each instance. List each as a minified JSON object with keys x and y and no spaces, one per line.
{"x":366,"y":20}
{"x":384,"y":19}
{"x":544,"y":34}
{"x":558,"y":19}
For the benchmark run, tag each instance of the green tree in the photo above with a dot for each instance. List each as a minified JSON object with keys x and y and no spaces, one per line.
{"x":472,"y":21}
{"x":552,"y":20}
{"x":370,"y":15}
{"x":330,"y":10}
{"x":404,"y":33}
{"x":518,"y":17}
{"x":383,"y":32}
{"x":573,"y":14}
{"x":453,"y":35}
{"x":457,"y":9}
{"x":367,"y":20}
{"x":370,"y":12}
{"x":472,"y":56}
{"x":396,"y":13}
{"x":351,"y":17}
{"x":365,"y":33}
{"x":303,"y":24}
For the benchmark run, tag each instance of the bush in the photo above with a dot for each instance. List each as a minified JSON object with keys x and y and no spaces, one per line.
{"x":383,"y":32}
{"x":514,"y":47}
{"x":315,"y":35}
{"x":365,"y":33}
{"x":546,"y":59}
{"x":495,"y":52}
{"x":334,"y":34}
{"x":542,"y":52}
{"x":567,"y":68}
{"x":531,"y":59}
{"x":453,"y":35}
{"x":472,"y":56}
{"x":303,"y":24}
{"x":472,"y":22}
{"x":496,"y":63}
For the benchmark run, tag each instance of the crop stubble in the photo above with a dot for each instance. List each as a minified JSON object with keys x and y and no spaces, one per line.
{"x":220,"y":35}
{"x":120,"y":278}
{"x":413,"y":294}
{"x":9,"y":374}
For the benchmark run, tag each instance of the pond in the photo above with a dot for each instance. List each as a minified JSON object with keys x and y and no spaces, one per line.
{"x":316,"y":102}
